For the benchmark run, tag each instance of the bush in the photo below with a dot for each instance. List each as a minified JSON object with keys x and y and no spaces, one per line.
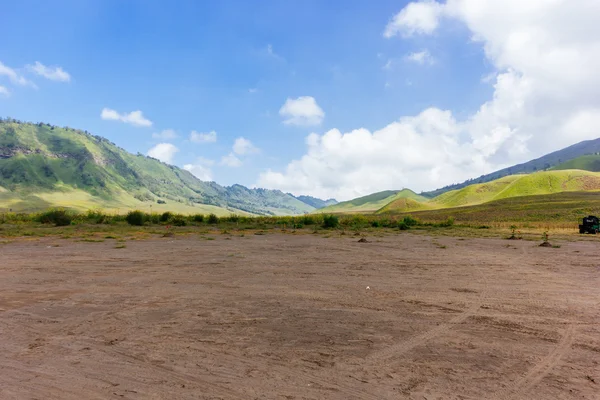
{"x":153,"y":218}
{"x":447,"y":223}
{"x":159,"y":201}
{"x":198,"y":218}
{"x":330,"y":221}
{"x":410,"y":221}
{"x":136,"y":218}
{"x":375,"y":224}
{"x":233,"y":218}
{"x":308,"y":220}
{"x":96,"y":216}
{"x":178,"y":220}
{"x":166,"y":216}
{"x":403,"y":226}
{"x":213,"y":219}
{"x":56,"y":217}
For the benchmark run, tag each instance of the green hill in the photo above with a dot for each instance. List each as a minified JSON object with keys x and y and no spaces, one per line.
{"x":539,"y":183}
{"x":587,"y":147}
{"x":404,"y":205}
{"x":372,"y":202}
{"x":587,"y":163}
{"x":43,"y":166}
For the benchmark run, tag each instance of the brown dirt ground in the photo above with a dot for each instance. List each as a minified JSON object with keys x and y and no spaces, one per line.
{"x":282,"y":316}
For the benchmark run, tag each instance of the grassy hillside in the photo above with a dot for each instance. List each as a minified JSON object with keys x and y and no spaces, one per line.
{"x":372,"y":202}
{"x":404,"y":205}
{"x":43,"y":165}
{"x":540,"y":183}
{"x":587,"y":147}
{"x":549,"y":211}
{"x":587,"y":163}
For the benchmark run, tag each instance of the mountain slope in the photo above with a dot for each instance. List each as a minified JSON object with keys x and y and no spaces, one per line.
{"x":548,"y":161}
{"x":315,"y":202}
{"x":587,"y":163}
{"x":539,"y":183}
{"x":372,"y":202}
{"x":43,"y":165}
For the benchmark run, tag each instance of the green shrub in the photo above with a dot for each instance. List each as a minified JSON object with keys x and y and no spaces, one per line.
{"x":233,"y":218}
{"x":178,"y":220}
{"x":403,"y":226}
{"x":198,"y":218}
{"x":153,"y":218}
{"x":213,"y":219}
{"x":330,"y":221}
{"x":96,"y":217}
{"x":447,"y":223}
{"x":410,"y":221}
{"x":136,"y":218}
{"x":56,"y":217}
{"x":159,"y":201}
{"x":375,"y":224}
{"x":308,"y":220}
{"x":166,"y":216}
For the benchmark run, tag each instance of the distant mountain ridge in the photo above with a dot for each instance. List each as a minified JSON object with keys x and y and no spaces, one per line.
{"x":587,"y":147}
{"x":315,"y":202}
{"x":42,"y":165}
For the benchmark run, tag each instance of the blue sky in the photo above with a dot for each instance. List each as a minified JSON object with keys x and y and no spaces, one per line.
{"x":230,"y":66}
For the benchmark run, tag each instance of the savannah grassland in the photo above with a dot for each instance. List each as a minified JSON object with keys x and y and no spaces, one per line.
{"x":433,"y":305}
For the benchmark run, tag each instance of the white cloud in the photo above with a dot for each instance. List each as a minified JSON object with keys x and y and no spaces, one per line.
{"x":271,"y":53}
{"x":135,"y":118}
{"x":14,"y":76}
{"x":244,"y":146}
{"x":418,"y":17}
{"x":52,"y":73}
{"x":164,"y":152}
{"x":489,"y":78}
{"x":166,"y":134}
{"x":231,"y":160}
{"x":545,"y":98}
{"x":197,"y":137}
{"x":388,"y":65}
{"x":4,"y":91}
{"x":252,"y":90}
{"x":421,"y":57}
{"x":302,"y":111}
{"x":200,"y":171}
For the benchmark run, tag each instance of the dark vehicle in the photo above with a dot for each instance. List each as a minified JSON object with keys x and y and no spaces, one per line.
{"x":590,"y":224}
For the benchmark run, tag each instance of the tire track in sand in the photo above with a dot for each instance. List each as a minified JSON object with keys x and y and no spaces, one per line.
{"x":535,"y":374}
{"x":401,"y":348}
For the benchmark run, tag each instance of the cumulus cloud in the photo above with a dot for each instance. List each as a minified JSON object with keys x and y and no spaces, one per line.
{"x":421,"y":57}
{"x":52,"y":73}
{"x":14,"y":76}
{"x":231,"y":160}
{"x":302,"y":111}
{"x":166,"y":134}
{"x":197,"y":137}
{"x":244,"y":146}
{"x":4,"y":91}
{"x":200,"y":171}
{"x":135,"y":118}
{"x":164,"y":152}
{"x":545,"y":98}
{"x":417,"y":17}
